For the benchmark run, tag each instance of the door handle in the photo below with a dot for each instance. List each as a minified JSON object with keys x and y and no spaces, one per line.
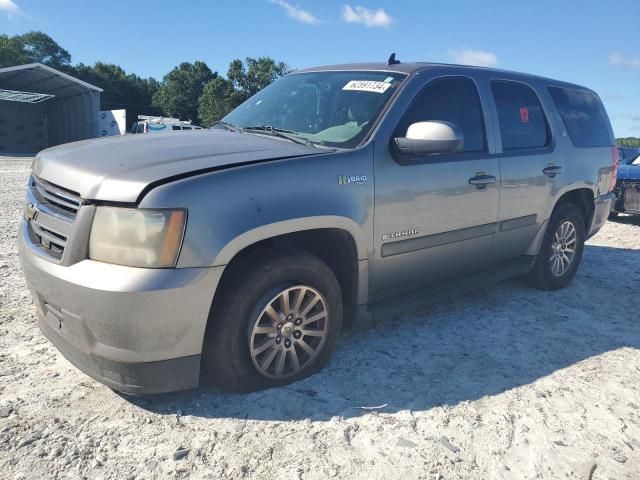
{"x":481,"y":180}
{"x":552,"y":170}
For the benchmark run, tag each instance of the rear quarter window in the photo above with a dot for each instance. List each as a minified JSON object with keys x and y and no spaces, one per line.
{"x":523,"y":124}
{"x":583,"y":115}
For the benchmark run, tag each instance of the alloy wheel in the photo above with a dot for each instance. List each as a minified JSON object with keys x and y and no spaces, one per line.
{"x":563,"y":248}
{"x":289,"y":332}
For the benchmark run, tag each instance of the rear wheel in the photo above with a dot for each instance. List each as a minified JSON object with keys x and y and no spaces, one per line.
{"x":561,"y":250}
{"x":278,"y":322}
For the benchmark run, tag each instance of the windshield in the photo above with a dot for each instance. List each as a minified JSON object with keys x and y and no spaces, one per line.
{"x":328,"y":108}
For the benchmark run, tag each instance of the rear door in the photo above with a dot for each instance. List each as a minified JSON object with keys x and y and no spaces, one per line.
{"x":530,"y":166}
{"x":432,"y":221}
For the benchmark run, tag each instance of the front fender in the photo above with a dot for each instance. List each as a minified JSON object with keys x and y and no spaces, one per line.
{"x":265,"y":232}
{"x":232,"y":209}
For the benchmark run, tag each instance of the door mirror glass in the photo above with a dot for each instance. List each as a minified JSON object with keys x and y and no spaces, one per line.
{"x":425,"y":138}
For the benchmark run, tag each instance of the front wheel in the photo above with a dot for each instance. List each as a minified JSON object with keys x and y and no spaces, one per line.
{"x":278,"y":322}
{"x":561,"y":250}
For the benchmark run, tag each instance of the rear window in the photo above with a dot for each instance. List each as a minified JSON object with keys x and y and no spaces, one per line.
{"x":584,"y":117}
{"x":522,"y":121}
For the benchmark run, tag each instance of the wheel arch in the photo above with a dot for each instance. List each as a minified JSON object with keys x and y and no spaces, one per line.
{"x":334,"y":244}
{"x":581,"y":197}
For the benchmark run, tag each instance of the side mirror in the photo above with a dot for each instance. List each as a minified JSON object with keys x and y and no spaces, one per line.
{"x":424,"y":138}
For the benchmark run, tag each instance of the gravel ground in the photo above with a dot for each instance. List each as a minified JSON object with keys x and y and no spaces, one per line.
{"x":508,"y":383}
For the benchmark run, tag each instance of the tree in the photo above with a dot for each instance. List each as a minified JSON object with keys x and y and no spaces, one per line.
{"x":121,"y":90}
{"x":628,"y":142}
{"x":215,"y":101}
{"x":32,"y":47}
{"x":181,"y":88}
{"x":252,"y":76}
{"x":11,"y":52}
{"x":40,"y":47}
{"x":220,"y":96}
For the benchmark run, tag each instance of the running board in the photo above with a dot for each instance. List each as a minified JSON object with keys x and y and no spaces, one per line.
{"x":363,"y":314}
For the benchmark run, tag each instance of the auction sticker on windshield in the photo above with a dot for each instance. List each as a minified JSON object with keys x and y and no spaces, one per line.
{"x":367,"y":86}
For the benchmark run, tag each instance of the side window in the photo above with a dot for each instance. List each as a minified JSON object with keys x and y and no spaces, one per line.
{"x":454,"y":100}
{"x":583,"y":116}
{"x":522,"y":121}
{"x":176,"y":127}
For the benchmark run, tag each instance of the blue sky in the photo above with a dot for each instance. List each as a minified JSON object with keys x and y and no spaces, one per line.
{"x":594,"y":43}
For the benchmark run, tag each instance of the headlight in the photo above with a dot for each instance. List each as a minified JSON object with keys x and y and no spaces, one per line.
{"x":137,"y":237}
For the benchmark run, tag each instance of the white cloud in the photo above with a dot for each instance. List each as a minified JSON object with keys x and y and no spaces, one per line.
{"x":295,"y":12}
{"x":469,"y":56}
{"x":10,"y":7}
{"x":619,"y":60}
{"x":370,"y":18}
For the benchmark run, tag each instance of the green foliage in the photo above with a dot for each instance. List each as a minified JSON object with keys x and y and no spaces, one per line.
{"x":32,"y":47}
{"x":121,"y":90}
{"x":215,"y":101}
{"x":181,"y":88}
{"x":628,"y":142}
{"x":252,"y":76}
{"x":220,"y":96}
{"x":11,"y":52}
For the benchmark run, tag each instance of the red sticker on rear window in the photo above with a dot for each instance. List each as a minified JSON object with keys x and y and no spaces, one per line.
{"x":524,"y":115}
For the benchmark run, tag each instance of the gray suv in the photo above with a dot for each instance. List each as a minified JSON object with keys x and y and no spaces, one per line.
{"x":335,"y":195}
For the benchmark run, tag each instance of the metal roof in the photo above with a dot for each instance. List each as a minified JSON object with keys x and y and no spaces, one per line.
{"x":23,"y":97}
{"x":39,"y":78}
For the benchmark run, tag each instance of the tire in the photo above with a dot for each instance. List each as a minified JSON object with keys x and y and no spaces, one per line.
{"x":613,"y":215}
{"x":547,"y":275}
{"x":242,"y":323}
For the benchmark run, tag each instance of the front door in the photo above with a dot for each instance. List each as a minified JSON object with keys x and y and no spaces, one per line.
{"x":435,"y":216}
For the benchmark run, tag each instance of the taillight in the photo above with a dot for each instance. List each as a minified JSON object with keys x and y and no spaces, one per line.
{"x":614,"y":175}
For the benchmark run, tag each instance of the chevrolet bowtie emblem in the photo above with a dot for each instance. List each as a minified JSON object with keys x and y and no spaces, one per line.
{"x":30,"y":211}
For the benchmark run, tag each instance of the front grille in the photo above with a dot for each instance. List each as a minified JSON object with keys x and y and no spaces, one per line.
{"x":631,"y":195}
{"x":51,"y":212}
{"x":60,"y":200}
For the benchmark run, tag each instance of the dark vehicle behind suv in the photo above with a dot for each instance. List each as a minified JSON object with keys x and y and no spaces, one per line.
{"x":627,"y":189}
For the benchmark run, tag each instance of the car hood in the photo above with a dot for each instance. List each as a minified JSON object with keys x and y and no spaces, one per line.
{"x":629,"y":172}
{"x":120,"y":169}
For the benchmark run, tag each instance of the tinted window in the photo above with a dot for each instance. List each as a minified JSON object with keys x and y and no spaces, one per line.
{"x":522,"y":121}
{"x":583,"y":116}
{"x":452,"y":100}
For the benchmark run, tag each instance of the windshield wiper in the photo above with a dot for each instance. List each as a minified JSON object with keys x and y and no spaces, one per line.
{"x":280,"y":133}
{"x":225,"y":125}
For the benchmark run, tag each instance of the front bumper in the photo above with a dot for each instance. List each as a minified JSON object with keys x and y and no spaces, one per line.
{"x":601,"y":212}
{"x":136,"y":330}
